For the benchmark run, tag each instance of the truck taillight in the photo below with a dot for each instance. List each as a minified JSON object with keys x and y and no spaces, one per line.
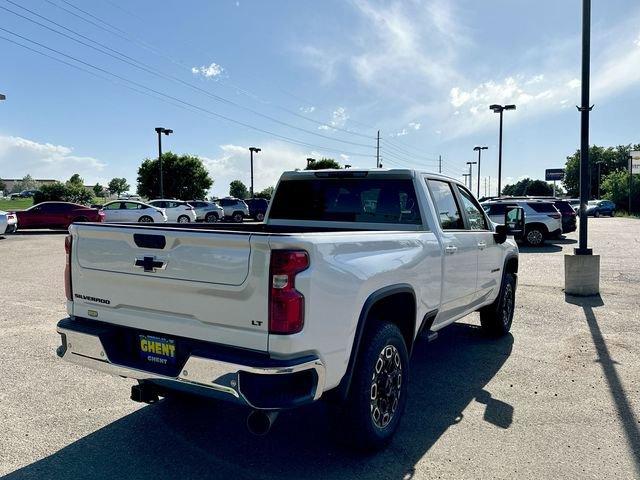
{"x":286,"y":304}
{"x":67,"y":267}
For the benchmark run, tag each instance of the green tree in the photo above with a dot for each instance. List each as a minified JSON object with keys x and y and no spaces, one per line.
{"x":98,"y":190}
{"x":27,"y":183}
{"x":3,"y":186}
{"x":267,"y":193}
{"x":118,"y":185}
{"x":184,"y":177}
{"x":615,"y":187}
{"x":56,"y":191}
{"x":529,"y":187}
{"x":76,"y":179}
{"x":322,"y":164}
{"x":611,"y":159}
{"x":238,"y":189}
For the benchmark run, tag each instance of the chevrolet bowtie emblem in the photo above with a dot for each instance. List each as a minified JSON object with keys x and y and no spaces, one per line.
{"x":150,"y":264}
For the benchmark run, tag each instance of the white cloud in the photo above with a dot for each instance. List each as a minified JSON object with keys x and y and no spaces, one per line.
{"x":20,"y":156}
{"x":415,"y":125}
{"x":233,"y":164}
{"x":637,"y":41}
{"x":211,"y":71}
{"x":339,"y":119}
{"x":309,"y":109}
{"x":575,"y":83}
{"x":401,"y":133}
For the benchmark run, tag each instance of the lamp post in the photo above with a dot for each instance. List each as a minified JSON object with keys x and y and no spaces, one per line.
{"x":3,"y":97}
{"x":479,"y":150}
{"x":499,"y":109}
{"x":471,"y":164}
{"x":253,"y":150}
{"x":160,"y":131}
{"x":466,"y":175}
{"x":310,"y":161}
{"x":347,"y":165}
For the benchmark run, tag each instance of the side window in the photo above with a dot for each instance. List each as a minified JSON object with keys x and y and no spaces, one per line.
{"x":112,"y":206}
{"x":477,"y":220}
{"x":448,"y":212}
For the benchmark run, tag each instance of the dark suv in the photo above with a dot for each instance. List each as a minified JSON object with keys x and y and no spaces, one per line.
{"x":257,"y":208}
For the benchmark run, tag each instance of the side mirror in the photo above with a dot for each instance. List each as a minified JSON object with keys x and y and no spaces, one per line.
{"x":513,"y":224}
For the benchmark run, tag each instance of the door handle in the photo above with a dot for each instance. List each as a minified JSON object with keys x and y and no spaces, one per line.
{"x":451,"y":249}
{"x":482,"y":245}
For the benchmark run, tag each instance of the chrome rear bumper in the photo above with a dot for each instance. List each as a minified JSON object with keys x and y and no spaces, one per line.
{"x":87,"y":349}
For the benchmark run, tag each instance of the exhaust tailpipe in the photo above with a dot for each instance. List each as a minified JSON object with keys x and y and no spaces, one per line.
{"x":259,"y":422}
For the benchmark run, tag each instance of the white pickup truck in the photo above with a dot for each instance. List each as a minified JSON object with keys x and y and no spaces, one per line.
{"x":325,"y":299}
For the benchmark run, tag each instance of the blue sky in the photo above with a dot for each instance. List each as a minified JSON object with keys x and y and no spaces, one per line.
{"x":324,"y":75}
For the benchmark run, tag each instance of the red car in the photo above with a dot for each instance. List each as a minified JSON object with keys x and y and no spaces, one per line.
{"x":57,"y":215}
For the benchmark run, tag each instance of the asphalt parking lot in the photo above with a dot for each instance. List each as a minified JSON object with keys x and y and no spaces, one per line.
{"x":559,"y":398}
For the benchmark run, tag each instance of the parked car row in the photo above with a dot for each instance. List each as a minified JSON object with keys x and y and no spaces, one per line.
{"x":59,"y":215}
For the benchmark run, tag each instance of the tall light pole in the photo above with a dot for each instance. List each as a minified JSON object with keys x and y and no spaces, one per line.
{"x":3,"y":97}
{"x":253,"y":150}
{"x":479,"y":150}
{"x":499,"y":109}
{"x":160,"y":131}
{"x":466,"y":175}
{"x":310,"y":161}
{"x":471,"y":164}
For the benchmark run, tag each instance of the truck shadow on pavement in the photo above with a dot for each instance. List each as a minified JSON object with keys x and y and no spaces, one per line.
{"x":199,"y":439}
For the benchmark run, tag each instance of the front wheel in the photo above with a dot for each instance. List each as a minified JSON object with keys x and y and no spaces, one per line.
{"x":238,"y":217}
{"x":183,"y":219}
{"x":145,"y":219}
{"x":378,"y":392}
{"x":596,"y":214}
{"x":496,"y":319}
{"x":211,"y":217}
{"x":260,"y":217}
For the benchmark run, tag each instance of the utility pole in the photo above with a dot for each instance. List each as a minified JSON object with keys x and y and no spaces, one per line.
{"x":378,"y":151}
{"x":439,"y":163}
{"x":471,"y":164}
{"x":253,"y":150}
{"x":160,"y":131}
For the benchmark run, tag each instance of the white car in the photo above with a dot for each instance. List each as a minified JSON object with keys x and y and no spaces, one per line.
{"x":325,"y":298}
{"x":176,"y":210}
{"x":8,"y":222}
{"x":131,"y":211}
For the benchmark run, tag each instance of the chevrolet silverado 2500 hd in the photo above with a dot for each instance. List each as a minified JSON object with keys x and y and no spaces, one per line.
{"x":324,"y":299}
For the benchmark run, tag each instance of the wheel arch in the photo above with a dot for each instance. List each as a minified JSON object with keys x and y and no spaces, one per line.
{"x":399,"y":298}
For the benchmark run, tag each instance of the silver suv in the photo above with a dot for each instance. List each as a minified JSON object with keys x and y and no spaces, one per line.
{"x":234,"y":208}
{"x":207,"y":211}
{"x":542,"y":219}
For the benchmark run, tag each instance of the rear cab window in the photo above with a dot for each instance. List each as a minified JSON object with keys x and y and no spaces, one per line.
{"x":352,"y":199}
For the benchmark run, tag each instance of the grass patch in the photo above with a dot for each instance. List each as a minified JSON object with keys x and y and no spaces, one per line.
{"x":627,"y":215}
{"x":16,"y":204}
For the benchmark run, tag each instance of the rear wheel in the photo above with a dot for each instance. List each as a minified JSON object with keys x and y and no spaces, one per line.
{"x":596,"y":214}
{"x":259,"y":216}
{"x":534,"y":236}
{"x":613,"y":213}
{"x":238,"y":217}
{"x":496,"y":319}
{"x":183,"y":219}
{"x":145,"y":219}
{"x":378,"y":392}
{"x":211,"y":217}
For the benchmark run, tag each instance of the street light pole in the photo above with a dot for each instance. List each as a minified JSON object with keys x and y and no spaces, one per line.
{"x":466,"y":175}
{"x":252,"y":150}
{"x":471,"y":175}
{"x":479,"y":150}
{"x":584,"y":110}
{"x":500,"y":109}
{"x":310,"y":161}
{"x":160,"y":131}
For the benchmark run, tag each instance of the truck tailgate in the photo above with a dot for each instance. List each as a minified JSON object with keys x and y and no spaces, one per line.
{"x":201,"y":284}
